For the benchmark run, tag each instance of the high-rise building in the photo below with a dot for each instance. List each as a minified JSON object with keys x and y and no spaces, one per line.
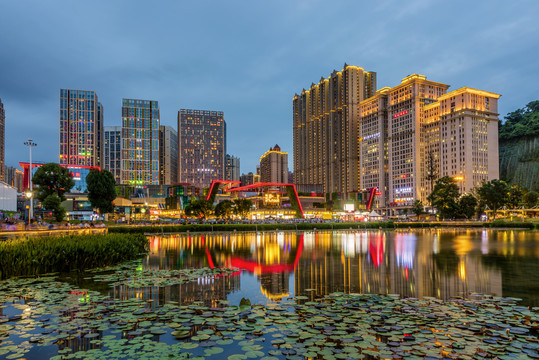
{"x":168,"y":155}
{"x":81,"y":128}
{"x":201,"y":146}
{"x":416,"y":128}
{"x":248,"y":179}
{"x":140,"y":142}
{"x":14,"y":177}
{"x":274,"y":166}
{"x":232,"y":168}
{"x":2,"y":141}
{"x":113,"y":151}
{"x":326,"y":130}
{"x":461,"y":133}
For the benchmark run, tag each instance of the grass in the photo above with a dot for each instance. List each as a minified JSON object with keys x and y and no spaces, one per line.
{"x":39,"y":255}
{"x":387,"y":225}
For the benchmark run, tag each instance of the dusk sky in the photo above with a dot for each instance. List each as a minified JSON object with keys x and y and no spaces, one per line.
{"x":248,"y":58}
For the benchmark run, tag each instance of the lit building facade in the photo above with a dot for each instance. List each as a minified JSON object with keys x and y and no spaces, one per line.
{"x":140,"y":142}
{"x":461,"y":131}
{"x":274,"y":166}
{"x":414,"y":129}
{"x":81,"y":128}
{"x":113,"y":151}
{"x":201,"y":147}
{"x":232,"y":168}
{"x":2,"y":141}
{"x":325,"y":130}
{"x":168,"y":155}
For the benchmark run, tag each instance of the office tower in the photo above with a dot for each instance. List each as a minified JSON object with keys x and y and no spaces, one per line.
{"x":81,"y":128}
{"x":2,"y":141}
{"x":201,"y":147}
{"x":326,"y":130}
{"x":232,"y":168}
{"x":248,"y":179}
{"x":113,"y":151}
{"x":274,"y":166}
{"x":461,"y":132}
{"x":168,"y":155}
{"x":140,"y":142}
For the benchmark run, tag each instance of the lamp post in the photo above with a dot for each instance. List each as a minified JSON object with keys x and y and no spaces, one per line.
{"x":30,"y":144}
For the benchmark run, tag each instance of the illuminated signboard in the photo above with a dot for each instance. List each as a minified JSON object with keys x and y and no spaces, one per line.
{"x":272,"y":199}
{"x":400,"y":114}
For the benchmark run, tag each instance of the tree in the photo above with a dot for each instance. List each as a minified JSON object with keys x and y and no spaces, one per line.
{"x":52,"y":182}
{"x":516,"y":194}
{"x":199,"y":208}
{"x":531,"y":199}
{"x":493,"y":194}
{"x":418,"y":208}
{"x":101,"y":187}
{"x":444,"y":197}
{"x":54,"y":203}
{"x":467,"y":206}
{"x":243,"y":206}
{"x":224,"y":209}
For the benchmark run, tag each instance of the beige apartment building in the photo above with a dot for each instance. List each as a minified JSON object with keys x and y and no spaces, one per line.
{"x":274,"y":166}
{"x":402,"y":129}
{"x":325,"y":130}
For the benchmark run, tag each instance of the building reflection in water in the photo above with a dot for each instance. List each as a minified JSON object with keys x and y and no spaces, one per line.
{"x":439,"y":263}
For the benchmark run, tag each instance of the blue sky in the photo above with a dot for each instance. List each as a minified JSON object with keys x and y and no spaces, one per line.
{"x":248,"y":58}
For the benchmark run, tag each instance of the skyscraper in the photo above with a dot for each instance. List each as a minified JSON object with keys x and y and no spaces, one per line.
{"x":201,"y":146}
{"x":232,"y":171}
{"x":168,"y":155}
{"x":113,"y":151}
{"x":326,"y":129}
{"x":140,"y":142}
{"x":274,"y":166}
{"x":81,"y":128}
{"x":2,"y":141}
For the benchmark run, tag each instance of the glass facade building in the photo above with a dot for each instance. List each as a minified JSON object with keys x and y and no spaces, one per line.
{"x":81,"y":128}
{"x":201,"y":146}
{"x":113,"y":151}
{"x":140,"y":142}
{"x":168,"y":155}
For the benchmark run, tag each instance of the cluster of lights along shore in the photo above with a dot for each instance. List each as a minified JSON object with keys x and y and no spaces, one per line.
{"x":385,"y":137}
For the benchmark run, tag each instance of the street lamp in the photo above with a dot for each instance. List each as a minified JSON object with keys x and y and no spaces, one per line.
{"x":30,"y":145}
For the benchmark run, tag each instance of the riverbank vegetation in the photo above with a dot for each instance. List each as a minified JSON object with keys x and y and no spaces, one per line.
{"x":385,"y":225}
{"x":39,"y":255}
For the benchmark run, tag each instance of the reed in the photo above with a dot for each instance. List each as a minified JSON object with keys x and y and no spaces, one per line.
{"x":39,"y":255}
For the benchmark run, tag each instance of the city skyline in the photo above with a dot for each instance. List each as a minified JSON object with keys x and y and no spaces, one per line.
{"x":247,"y":65}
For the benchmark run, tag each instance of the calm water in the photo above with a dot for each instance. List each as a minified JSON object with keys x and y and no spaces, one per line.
{"x":278,"y":265}
{"x":274,"y":266}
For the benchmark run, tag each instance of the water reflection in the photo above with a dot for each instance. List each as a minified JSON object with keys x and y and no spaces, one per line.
{"x":275,"y":265}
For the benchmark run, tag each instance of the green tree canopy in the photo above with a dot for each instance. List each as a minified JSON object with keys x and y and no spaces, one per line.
{"x":418,"y":208}
{"x":467,"y":206}
{"x":224,"y":209}
{"x":199,"y":208}
{"x":515,"y":196}
{"x":521,"y":122}
{"x":51,"y":179}
{"x":444,"y":197}
{"x":530,"y":199}
{"x":101,"y":187}
{"x":494,"y":194}
{"x":243,"y":206}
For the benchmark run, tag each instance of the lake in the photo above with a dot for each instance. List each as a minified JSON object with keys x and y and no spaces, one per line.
{"x":298,"y":285}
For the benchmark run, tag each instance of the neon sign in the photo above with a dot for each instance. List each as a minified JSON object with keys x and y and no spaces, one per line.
{"x":400,"y":114}
{"x":372,"y":136}
{"x":272,"y":198}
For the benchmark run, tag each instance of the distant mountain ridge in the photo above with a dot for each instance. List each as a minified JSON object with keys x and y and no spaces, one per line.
{"x":519,"y":147}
